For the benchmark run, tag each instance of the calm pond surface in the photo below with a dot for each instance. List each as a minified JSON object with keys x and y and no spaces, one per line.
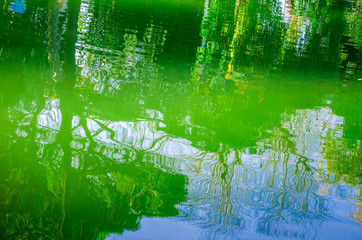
{"x":180,"y":119}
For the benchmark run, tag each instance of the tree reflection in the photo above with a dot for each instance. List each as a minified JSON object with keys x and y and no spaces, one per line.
{"x":92,"y":192}
{"x":249,"y":37}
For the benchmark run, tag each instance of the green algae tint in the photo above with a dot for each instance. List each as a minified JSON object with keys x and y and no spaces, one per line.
{"x":170,"y":119}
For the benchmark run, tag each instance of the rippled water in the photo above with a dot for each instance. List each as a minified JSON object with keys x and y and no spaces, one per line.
{"x":180,"y":119}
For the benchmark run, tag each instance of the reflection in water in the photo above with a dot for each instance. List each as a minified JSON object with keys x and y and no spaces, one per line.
{"x":240,"y":117}
{"x":278,"y":187}
{"x":18,"y":6}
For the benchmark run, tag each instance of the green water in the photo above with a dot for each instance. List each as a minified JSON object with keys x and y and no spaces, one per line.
{"x":180,"y":119}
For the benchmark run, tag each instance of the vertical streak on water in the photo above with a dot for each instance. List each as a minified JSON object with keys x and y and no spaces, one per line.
{"x":206,"y":10}
{"x":65,"y":135}
{"x":53,"y":39}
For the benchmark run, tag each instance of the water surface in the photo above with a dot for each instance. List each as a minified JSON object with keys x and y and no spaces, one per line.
{"x":170,"y":119}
